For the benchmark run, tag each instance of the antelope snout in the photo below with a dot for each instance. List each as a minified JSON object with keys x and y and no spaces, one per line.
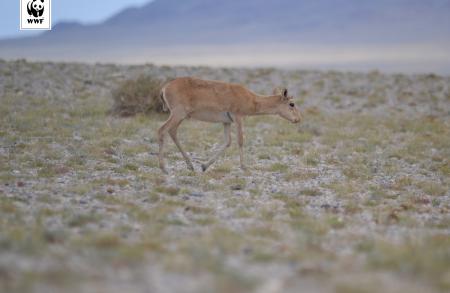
{"x":297,"y":119}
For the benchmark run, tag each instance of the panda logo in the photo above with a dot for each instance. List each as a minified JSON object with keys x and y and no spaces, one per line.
{"x":35,"y":8}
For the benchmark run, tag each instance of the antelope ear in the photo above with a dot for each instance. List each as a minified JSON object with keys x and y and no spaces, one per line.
{"x":284,"y":93}
{"x":276,"y":91}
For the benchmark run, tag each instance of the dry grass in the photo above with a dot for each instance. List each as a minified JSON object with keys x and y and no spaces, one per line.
{"x":353,"y":200}
{"x":140,"y":95}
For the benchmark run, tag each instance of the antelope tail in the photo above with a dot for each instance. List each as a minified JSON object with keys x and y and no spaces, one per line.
{"x":163,"y":101}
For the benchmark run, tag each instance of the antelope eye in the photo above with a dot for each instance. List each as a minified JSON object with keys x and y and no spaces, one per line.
{"x":291,"y":105}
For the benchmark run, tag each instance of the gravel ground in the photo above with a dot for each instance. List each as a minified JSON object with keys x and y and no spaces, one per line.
{"x":355,"y":199}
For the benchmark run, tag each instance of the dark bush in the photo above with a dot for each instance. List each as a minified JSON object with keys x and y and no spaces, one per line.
{"x":139,"y":95}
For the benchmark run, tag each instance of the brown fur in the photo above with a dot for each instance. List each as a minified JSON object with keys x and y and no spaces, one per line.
{"x":216,"y":101}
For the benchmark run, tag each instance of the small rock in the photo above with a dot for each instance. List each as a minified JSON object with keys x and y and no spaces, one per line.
{"x":393,"y":217}
{"x":422,"y":200}
{"x":196,"y":194}
{"x":242,"y":193}
{"x":60,"y":169}
{"x":293,"y":264}
{"x":247,"y":250}
{"x":282,"y":247}
{"x":110,"y":190}
{"x":83,"y":201}
{"x":236,"y":187}
{"x":109,"y":151}
{"x":330,"y":208}
{"x":56,"y":236}
{"x":325,"y":206}
{"x":20,"y":184}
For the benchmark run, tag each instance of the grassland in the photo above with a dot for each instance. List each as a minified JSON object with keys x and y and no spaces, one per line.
{"x":355,"y":199}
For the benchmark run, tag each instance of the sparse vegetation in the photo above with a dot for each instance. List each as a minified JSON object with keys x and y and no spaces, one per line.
{"x":355,"y":199}
{"x":140,"y":95}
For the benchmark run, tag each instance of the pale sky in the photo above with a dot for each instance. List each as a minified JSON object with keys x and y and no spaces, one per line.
{"x":84,"y":11}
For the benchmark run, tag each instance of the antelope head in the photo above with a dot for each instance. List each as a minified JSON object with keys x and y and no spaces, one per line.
{"x":286,"y":107}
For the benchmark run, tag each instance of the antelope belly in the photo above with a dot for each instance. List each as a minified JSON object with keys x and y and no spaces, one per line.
{"x":222,"y":117}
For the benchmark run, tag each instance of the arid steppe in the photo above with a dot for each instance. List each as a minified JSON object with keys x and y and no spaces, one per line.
{"x":356,"y":198}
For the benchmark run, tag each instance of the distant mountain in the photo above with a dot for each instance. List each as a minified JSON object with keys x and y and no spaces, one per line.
{"x":171,"y":24}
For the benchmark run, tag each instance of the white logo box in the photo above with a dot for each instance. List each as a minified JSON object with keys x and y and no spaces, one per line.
{"x":31,"y":16}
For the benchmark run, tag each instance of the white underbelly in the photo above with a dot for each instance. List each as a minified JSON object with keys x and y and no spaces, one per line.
{"x":220,"y":117}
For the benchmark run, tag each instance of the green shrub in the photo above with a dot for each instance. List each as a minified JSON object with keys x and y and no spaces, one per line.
{"x":141,"y":95}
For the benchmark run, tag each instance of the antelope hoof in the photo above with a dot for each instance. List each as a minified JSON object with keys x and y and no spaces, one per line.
{"x":204,"y":167}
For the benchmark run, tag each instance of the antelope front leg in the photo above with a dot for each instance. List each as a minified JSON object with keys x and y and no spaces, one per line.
{"x":240,"y":139}
{"x":227,"y":136}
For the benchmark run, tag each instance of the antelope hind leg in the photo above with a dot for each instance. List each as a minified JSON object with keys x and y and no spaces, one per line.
{"x":173,"y":135}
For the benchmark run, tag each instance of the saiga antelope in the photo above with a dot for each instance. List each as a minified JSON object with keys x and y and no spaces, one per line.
{"x":220,"y":102}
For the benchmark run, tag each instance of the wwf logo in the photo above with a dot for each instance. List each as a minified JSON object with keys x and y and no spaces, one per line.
{"x":35,"y":8}
{"x":35,"y":14}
